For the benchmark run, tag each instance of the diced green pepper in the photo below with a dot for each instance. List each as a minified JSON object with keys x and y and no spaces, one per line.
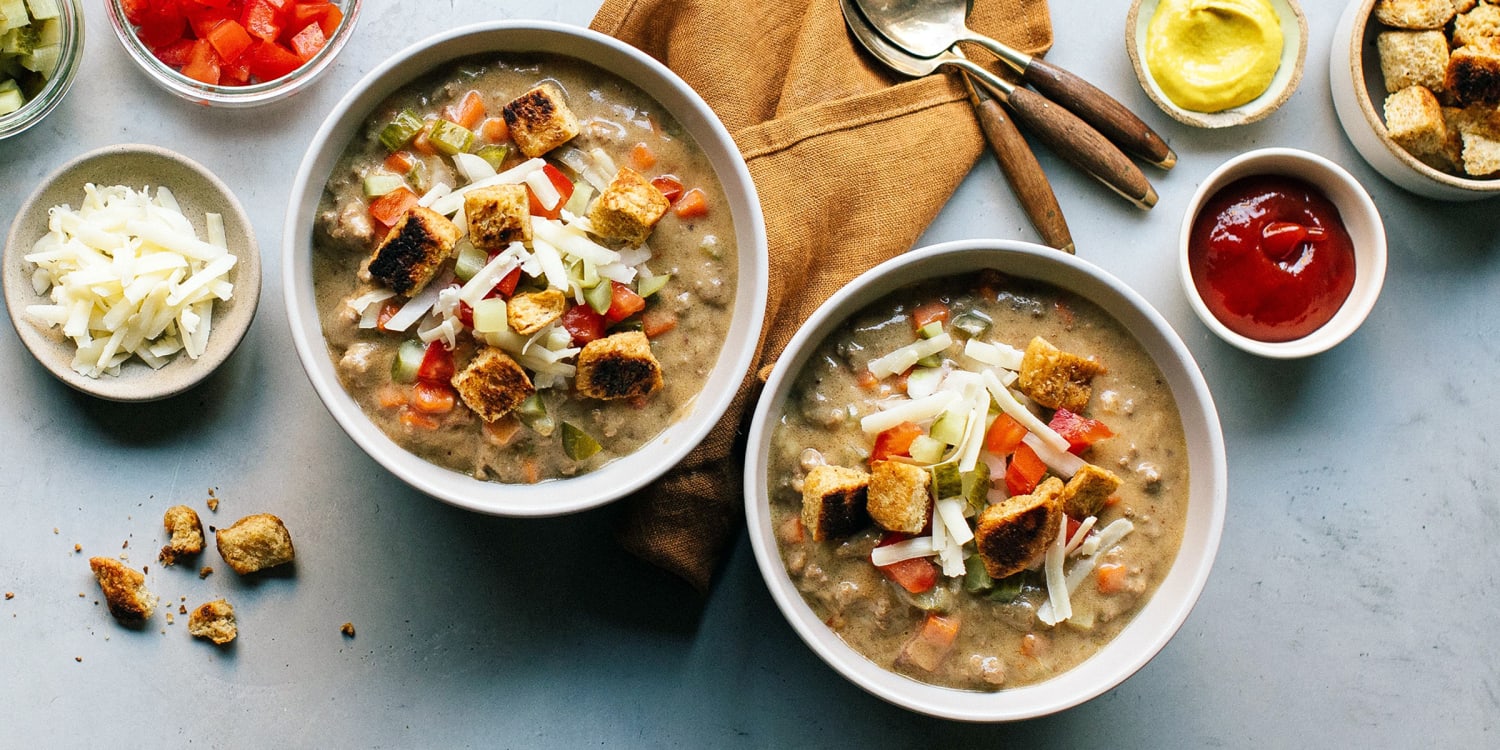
{"x":648,"y":287}
{"x":493,"y":155}
{"x":946,"y":481}
{"x":450,"y":137}
{"x":408,"y":360}
{"x":1007,"y":589}
{"x":976,"y":578}
{"x":972,"y":323}
{"x":401,"y":129}
{"x":577,"y":444}
{"x":533,"y":413}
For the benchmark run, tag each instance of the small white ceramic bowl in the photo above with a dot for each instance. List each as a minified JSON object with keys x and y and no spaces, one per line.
{"x":1358,"y":89}
{"x":1152,"y":626}
{"x":1283,"y":85}
{"x":627,"y":473}
{"x":197,"y":191}
{"x":1360,"y":217}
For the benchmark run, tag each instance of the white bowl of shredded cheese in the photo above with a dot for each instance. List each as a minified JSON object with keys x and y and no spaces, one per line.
{"x":131,"y":273}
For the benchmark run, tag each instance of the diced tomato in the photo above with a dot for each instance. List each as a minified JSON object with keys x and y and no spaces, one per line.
{"x":465,"y":314}
{"x":437,"y":364}
{"x":161,"y":23}
{"x":895,"y":441}
{"x":1110,"y":578}
{"x":927,"y":313}
{"x":202,"y":21}
{"x":309,"y":41}
{"x":670,"y":187}
{"x":175,"y":54}
{"x":203,"y":63}
{"x":564,"y":188}
{"x":303,"y":13}
{"x":135,"y":10}
{"x":1004,"y":435}
{"x":916,"y":574}
{"x":230,"y":39}
{"x":261,"y":19}
{"x":1073,"y":526}
{"x":691,"y":205}
{"x":1025,"y":471}
{"x":415,"y":420}
{"x":507,"y":285}
{"x":331,"y":20}
{"x":624,"y":303}
{"x":389,"y":208}
{"x":1080,"y":432}
{"x":387,"y":311}
{"x":931,"y":644}
{"x":399,"y":162}
{"x":642,"y":157}
{"x":433,"y":397}
{"x":583,"y":324}
{"x":656,"y":321}
{"x":269,"y":60}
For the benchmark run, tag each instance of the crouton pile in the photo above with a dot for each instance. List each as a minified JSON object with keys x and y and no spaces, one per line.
{"x":1441,"y":63}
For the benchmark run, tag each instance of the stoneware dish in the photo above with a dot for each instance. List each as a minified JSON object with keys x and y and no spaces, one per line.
{"x":198,"y":191}
{"x":70,"y":27}
{"x":1152,"y":625}
{"x":624,"y":474}
{"x":1283,"y":85}
{"x":1359,"y":93}
{"x":1360,"y":218}
{"x":213,"y":95}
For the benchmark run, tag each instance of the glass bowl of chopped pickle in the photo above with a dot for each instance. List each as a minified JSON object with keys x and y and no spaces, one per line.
{"x":41,"y":44}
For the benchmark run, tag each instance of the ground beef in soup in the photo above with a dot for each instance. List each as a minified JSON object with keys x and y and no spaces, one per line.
{"x":895,"y":422}
{"x":483,"y":381}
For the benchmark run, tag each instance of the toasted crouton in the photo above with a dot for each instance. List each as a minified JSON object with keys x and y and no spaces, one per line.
{"x":255,"y":542}
{"x":411,"y":254}
{"x":124,"y":589}
{"x":1413,"y":58}
{"x":1056,"y":379}
{"x":540,"y":120}
{"x":1481,"y":144}
{"x":628,"y":209}
{"x":1480,"y":22}
{"x":1414,"y":14}
{"x":1084,"y":495}
{"x":1414,"y":120}
{"x":1473,"y":74}
{"x":214,"y":621}
{"x":498,"y":215}
{"x":1012,"y":533}
{"x":833,"y":501}
{"x":531,"y":312}
{"x":898,"y":499}
{"x":187,"y":534}
{"x":492,"y":384}
{"x":1464,"y":6}
{"x":618,"y":366}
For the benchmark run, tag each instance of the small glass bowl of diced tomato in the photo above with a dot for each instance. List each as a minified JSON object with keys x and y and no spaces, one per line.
{"x":233,"y":53}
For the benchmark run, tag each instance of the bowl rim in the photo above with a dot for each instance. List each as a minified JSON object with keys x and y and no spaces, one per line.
{"x":232,"y":323}
{"x":1356,"y":42}
{"x":1371,"y":259}
{"x":38,"y":107}
{"x":1283,"y":85}
{"x":249,"y":95}
{"x":1151,"y":627}
{"x":623,"y":475}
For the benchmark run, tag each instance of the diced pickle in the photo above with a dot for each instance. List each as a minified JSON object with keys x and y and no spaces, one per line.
{"x":577,"y":444}
{"x":972,"y":323}
{"x":976,"y":578}
{"x":470,"y":260}
{"x":401,"y":129}
{"x":408,"y":360}
{"x":648,"y":287}
{"x":533,"y":413}
{"x":600,"y":296}
{"x":977,"y":488}
{"x":946,"y":481}
{"x":493,"y":155}
{"x":450,"y":138}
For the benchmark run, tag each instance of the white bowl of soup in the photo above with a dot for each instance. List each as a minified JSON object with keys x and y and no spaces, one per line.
{"x":922,"y":531}
{"x":525,"y":267}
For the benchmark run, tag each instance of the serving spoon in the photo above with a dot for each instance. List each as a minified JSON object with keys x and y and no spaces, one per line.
{"x":928,"y":28}
{"x":1072,"y":138}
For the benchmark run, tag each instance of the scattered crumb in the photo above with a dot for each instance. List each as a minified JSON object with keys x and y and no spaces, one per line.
{"x":205,"y":572}
{"x":124,"y":589}
{"x":215,"y":621}
{"x":181,"y":598}
{"x":145,"y":568}
{"x":213,"y":502}
{"x":126,"y":545}
{"x":77,"y":547}
{"x":78,"y":659}
{"x":81,"y":595}
{"x":170,"y":619}
{"x":10,"y":595}
{"x":54,"y":529}
{"x":347,"y":629}
{"x":186,"y":534}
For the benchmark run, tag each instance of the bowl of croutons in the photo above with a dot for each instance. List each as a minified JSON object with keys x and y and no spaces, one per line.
{"x":1416,"y":84}
{"x":525,"y":267}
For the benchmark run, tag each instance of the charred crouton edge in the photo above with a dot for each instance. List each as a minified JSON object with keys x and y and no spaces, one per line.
{"x":124,"y":589}
{"x":255,"y":542}
{"x":540,"y":120}
{"x":531,"y":312}
{"x":1085,"y":494}
{"x":833,"y":501}
{"x":1056,"y":379}
{"x":213,"y":621}
{"x":411,"y":254}
{"x":492,"y":384}
{"x":898,"y":498}
{"x":618,"y":366}
{"x":628,"y":209}
{"x":1012,"y":533}
{"x":498,"y":215}
{"x":187,"y":534}
{"x":1473,"y":74}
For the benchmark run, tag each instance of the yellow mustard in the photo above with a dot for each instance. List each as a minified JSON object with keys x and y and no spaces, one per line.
{"x":1211,"y":55}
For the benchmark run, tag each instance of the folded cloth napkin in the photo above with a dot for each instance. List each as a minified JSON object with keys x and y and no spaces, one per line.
{"x":851,"y":163}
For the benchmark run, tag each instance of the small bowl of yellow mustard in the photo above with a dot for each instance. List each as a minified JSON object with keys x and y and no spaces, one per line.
{"x":1217,"y":63}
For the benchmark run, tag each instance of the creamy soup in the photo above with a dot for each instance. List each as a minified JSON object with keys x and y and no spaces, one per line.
{"x":911,"y":382}
{"x":446,"y":132}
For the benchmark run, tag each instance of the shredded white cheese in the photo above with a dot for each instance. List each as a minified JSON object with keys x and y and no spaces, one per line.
{"x":904,"y":550}
{"x":128,"y":276}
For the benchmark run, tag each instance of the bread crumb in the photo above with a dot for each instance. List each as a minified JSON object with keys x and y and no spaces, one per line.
{"x":171,"y":620}
{"x":213,"y":502}
{"x":347,"y":629}
{"x":77,"y":547}
{"x":182,"y":609}
{"x":214,"y":621}
{"x":125,"y":545}
{"x":186,"y":534}
{"x":255,"y":542}
{"x":10,"y":595}
{"x":205,"y":572}
{"x":124,"y":589}
{"x":78,"y":659}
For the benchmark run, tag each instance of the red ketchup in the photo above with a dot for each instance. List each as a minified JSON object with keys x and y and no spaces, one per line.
{"x":1271,"y":258}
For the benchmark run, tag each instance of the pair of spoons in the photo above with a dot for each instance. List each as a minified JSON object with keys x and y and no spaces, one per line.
{"x":917,"y":37}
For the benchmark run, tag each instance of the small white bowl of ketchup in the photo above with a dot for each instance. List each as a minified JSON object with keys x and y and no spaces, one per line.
{"x":1282,"y":253}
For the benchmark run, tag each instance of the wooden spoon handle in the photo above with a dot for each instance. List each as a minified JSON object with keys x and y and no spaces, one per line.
{"x":1075,"y":141}
{"x":1104,"y":112}
{"x":1025,"y":175}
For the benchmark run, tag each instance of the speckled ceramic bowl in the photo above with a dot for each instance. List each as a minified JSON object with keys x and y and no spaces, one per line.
{"x":198,"y":191}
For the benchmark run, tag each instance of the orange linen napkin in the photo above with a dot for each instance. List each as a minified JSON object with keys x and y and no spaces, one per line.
{"x":851,"y":163}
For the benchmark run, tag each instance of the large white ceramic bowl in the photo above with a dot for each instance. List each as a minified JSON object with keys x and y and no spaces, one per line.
{"x":627,"y":473}
{"x":1359,"y":99}
{"x":1360,"y":216}
{"x":1152,"y":626}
